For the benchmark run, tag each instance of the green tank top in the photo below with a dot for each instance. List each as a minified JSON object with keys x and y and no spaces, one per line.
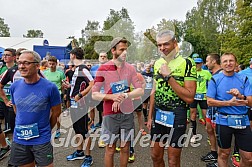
{"x":203,"y":77}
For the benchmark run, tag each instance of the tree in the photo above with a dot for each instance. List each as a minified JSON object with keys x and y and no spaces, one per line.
{"x":34,"y":34}
{"x":118,"y":23}
{"x":88,"y":39}
{"x":4,"y":29}
{"x":206,"y":23}
{"x":238,"y":36}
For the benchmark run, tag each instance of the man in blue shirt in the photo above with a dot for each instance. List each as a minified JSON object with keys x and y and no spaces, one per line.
{"x":36,"y":102}
{"x":231,"y":93}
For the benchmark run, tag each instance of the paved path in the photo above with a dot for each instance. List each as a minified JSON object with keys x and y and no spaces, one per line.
{"x":190,"y":155}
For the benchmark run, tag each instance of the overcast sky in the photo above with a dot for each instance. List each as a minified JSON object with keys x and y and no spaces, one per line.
{"x":64,"y":18}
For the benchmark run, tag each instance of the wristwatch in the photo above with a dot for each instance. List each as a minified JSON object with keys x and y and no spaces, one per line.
{"x":126,"y":95}
{"x":80,"y":95}
{"x":166,"y":78}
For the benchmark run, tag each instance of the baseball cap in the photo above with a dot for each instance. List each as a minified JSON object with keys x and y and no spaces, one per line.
{"x":195,"y":55}
{"x":116,"y":40}
{"x":198,"y":60}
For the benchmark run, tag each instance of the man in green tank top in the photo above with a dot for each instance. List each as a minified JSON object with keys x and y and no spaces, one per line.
{"x":174,"y":88}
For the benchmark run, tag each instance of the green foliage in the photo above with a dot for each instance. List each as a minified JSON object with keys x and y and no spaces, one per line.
{"x":4,"y":29}
{"x":34,"y":34}
{"x":117,"y":24}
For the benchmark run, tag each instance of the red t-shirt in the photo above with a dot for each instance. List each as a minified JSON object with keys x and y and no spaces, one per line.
{"x":106,"y":75}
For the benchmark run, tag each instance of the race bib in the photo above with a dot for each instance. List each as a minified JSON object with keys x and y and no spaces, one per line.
{"x":6,"y":91}
{"x":27,"y":132}
{"x":74,"y":104}
{"x":165,"y":118}
{"x":199,"y":96}
{"x":236,"y":121}
{"x":149,"y":85}
{"x":119,"y":87}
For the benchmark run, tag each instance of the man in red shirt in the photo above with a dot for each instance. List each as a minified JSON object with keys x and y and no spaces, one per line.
{"x":116,"y":76}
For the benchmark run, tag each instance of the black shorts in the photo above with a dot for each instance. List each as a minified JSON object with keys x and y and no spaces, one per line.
{"x":80,"y":121}
{"x":146,"y":96}
{"x":175,"y":135}
{"x":99,"y":107}
{"x":9,"y":116}
{"x":25,"y":154}
{"x":202,"y":103}
{"x":243,"y":137}
{"x":250,"y":114}
{"x":137,"y":105}
{"x":68,"y":94}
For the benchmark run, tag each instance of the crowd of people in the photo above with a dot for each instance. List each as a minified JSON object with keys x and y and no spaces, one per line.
{"x":166,"y":95}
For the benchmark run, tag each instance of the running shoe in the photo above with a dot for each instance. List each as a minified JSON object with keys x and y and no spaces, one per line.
{"x":88,"y":161}
{"x":57,"y":135}
{"x":131,"y":158}
{"x":202,"y":121}
{"x":209,"y":157}
{"x":143,"y":132}
{"x":98,"y":125}
{"x":208,"y":141}
{"x":236,"y":160}
{"x":213,"y":164}
{"x":76,"y":156}
{"x":101,"y":144}
{"x":118,"y":149}
{"x":187,"y":120}
{"x":4,"y":152}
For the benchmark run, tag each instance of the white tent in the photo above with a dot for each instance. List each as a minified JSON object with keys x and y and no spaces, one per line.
{"x":16,"y":42}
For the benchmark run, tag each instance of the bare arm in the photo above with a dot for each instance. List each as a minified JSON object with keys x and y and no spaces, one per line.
{"x":15,"y":109}
{"x":231,"y":102}
{"x":187,"y":92}
{"x":152,"y":102}
{"x":3,"y":96}
{"x":55,"y":113}
{"x":85,"y":91}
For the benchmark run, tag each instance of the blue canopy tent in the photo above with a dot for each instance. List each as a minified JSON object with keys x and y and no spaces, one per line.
{"x":1,"y":51}
{"x":60,"y":52}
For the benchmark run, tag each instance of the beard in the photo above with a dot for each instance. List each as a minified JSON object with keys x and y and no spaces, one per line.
{"x":119,"y":58}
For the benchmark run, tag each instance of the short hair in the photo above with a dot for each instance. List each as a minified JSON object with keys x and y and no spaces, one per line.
{"x":103,"y":53}
{"x":36,"y":56}
{"x":116,"y":41}
{"x":53,"y":59}
{"x":43,"y":62}
{"x":215,"y":56}
{"x":78,"y":52}
{"x":242,"y":66}
{"x":18,"y":52}
{"x":166,"y":33}
{"x":13,"y":51}
{"x":228,"y":53}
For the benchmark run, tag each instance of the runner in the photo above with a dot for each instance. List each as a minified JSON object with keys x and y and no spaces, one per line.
{"x":148,"y":76}
{"x":203,"y":76}
{"x":102,"y":59}
{"x":231,"y":92}
{"x":213,"y":64}
{"x":81,"y":84}
{"x":36,"y":114}
{"x":6,"y":110}
{"x":56,"y":77}
{"x":116,"y":76}
{"x":174,"y":87}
